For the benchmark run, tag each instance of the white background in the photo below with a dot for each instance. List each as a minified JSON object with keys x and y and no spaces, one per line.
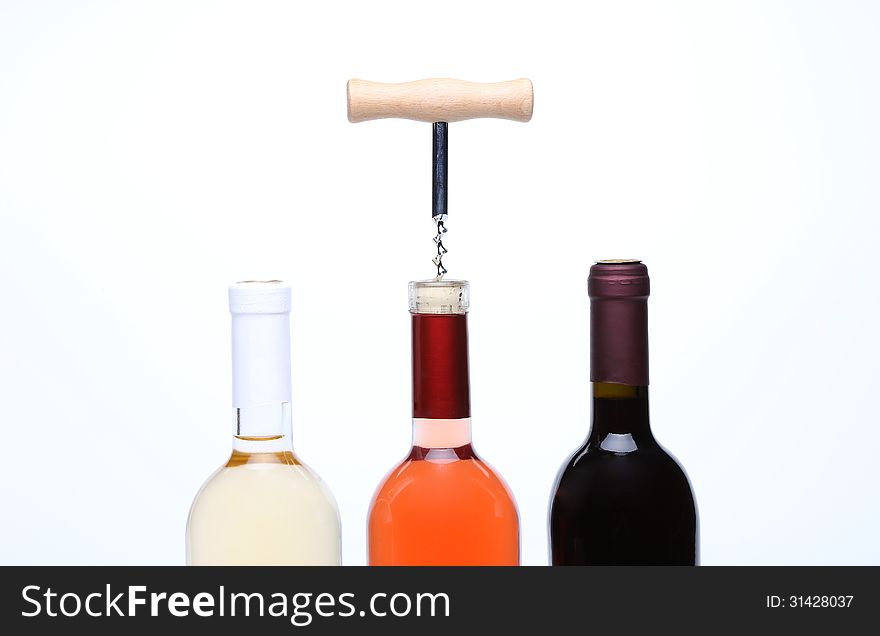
{"x":151,"y":153}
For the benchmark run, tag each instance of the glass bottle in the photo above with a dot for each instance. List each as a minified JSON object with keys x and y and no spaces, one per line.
{"x":621,"y":498}
{"x":263,"y":506}
{"x":442,"y":505}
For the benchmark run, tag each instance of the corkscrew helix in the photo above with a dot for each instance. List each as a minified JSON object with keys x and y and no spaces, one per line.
{"x":439,"y":102}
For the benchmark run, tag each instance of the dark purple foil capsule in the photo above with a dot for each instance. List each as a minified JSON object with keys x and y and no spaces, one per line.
{"x":619,"y":292}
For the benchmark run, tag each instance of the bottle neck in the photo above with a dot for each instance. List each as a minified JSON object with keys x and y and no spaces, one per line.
{"x":441,"y":385}
{"x":619,"y":340}
{"x":619,"y":362}
{"x":620,"y":417}
{"x":261,"y":393}
{"x":262,"y":429}
{"x":441,"y":433}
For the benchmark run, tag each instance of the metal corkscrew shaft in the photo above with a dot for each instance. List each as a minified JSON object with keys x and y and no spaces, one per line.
{"x":440,"y":102}
{"x":439,"y":190}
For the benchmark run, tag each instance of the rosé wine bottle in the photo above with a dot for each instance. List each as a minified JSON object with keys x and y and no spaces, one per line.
{"x":442,"y":505}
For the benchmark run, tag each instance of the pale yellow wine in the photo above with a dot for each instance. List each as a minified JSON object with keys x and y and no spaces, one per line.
{"x":263,"y":508}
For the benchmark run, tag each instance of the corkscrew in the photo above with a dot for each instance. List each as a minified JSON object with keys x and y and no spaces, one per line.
{"x":440,"y":102}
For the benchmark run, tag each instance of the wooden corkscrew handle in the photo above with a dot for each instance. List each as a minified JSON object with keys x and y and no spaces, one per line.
{"x":440,"y":100}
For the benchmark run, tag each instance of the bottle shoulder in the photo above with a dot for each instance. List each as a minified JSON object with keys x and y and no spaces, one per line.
{"x":620,"y":457}
{"x":263,"y":513}
{"x":442,"y":474}
{"x":439,"y":466}
{"x":623,"y":507}
{"x":279,"y":478}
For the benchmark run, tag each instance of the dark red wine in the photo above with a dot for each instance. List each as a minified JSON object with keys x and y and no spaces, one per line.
{"x":621,"y":499}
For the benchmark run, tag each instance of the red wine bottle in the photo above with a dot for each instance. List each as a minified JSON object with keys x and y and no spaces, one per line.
{"x":621,"y":498}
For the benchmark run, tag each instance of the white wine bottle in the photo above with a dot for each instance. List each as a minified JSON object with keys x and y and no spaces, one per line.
{"x":264,"y":506}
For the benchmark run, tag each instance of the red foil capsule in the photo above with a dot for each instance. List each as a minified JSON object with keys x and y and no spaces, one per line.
{"x":441,"y":386}
{"x":441,"y":383}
